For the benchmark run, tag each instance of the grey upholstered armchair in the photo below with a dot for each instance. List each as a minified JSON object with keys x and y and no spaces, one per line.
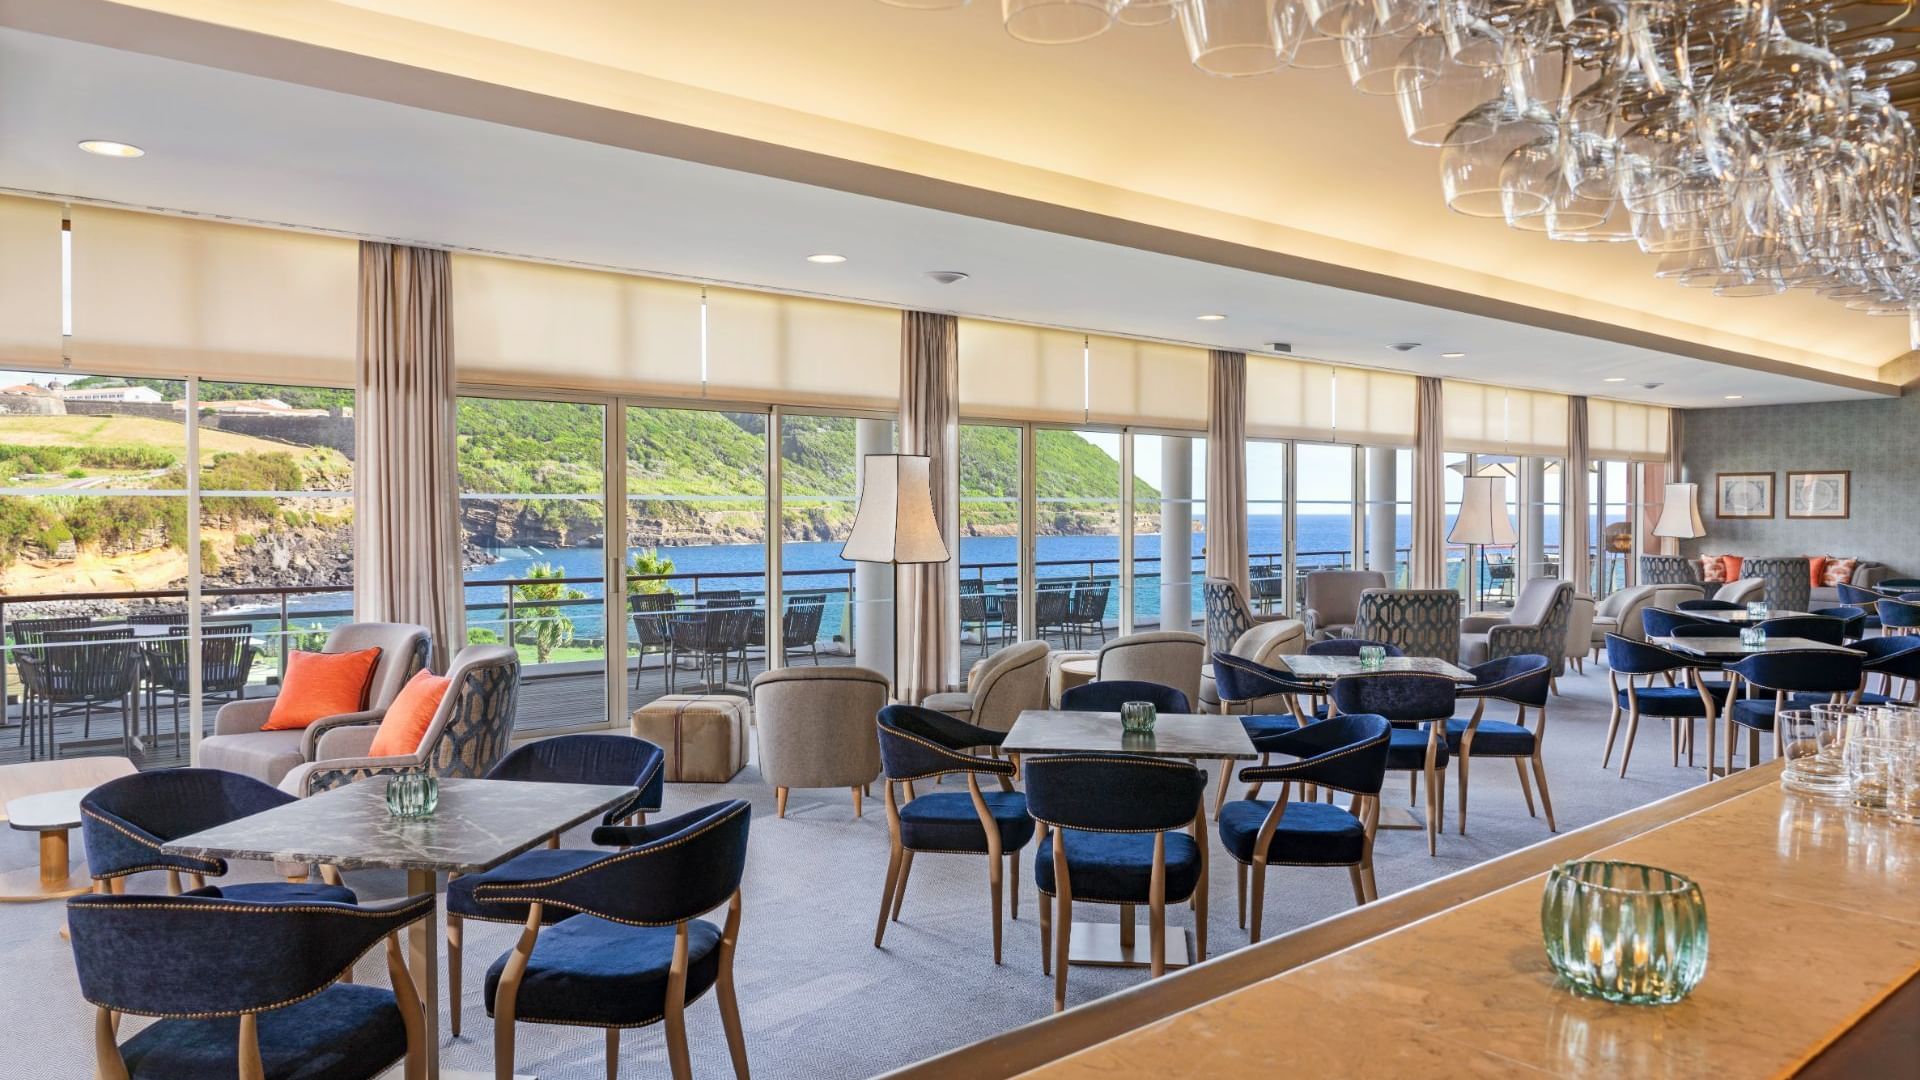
{"x":1264,"y":643}
{"x":1537,"y":624}
{"x":1009,"y":681}
{"x":1422,"y":622}
{"x":1332,"y":602}
{"x":1168,"y":657}
{"x":238,"y":745}
{"x":469,"y":733}
{"x":1744,"y":591}
{"x":1620,"y":612}
{"x":1668,"y":570}
{"x":1228,"y":615}
{"x":816,"y":729}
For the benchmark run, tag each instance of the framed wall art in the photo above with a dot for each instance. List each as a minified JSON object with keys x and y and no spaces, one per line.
{"x":1820,"y":494}
{"x":1743,"y":495}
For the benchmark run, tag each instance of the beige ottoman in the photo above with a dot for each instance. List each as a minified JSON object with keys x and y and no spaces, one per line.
{"x":704,"y":735}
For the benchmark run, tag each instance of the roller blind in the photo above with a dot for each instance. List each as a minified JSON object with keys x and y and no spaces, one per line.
{"x":1289,"y":399}
{"x":1537,"y":423}
{"x":1146,"y":384}
{"x":791,"y":350}
{"x":1374,"y":408}
{"x":530,"y":324}
{"x":1010,"y":372}
{"x":157,"y":295}
{"x":29,"y":282}
{"x":1629,"y":431}
{"x":1497,"y":420}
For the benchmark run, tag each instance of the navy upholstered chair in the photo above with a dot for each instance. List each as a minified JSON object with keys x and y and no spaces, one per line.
{"x":126,"y":821}
{"x":1899,"y":585}
{"x":1827,"y":630}
{"x":1241,"y":683}
{"x":1867,"y":600}
{"x":1708,"y":604}
{"x":636,"y":951}
{"x":1350,"y":647}
{"x":1853,"y":619}
{"x":1109,"y":834}
{"x":1418,"y":706}
{"x":1778,"y":676}
{"x":1521,"y":681}
{"x":1895,"y":659}
{"x":614,"y":760}
{"x":1899,"y":616}
{"x":1680,"y":700}
{"x":244,"y":988}
{"x":1107,"y":695}
{"x":1660,"y":622}
{"x":920,"y":744}
{"x":1346,"y":753}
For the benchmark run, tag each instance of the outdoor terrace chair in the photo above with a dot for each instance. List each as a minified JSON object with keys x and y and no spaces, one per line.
{"x":1052,"y":609}
{"x":800,"y":625}
{"x":1087,"y":614}
{"x":29,"y":659}
{"x":83,"y":671}
{"x":980,"y":618}
{"x":651,"y":628}
{"x":226,"y":661}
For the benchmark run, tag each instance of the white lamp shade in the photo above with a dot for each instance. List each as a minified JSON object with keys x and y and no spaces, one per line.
{"x":1483,"y":513}
{"x":1680,"y":514}
{"x":895,"y":523}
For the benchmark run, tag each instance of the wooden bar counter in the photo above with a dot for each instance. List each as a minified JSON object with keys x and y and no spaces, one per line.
{"x":1814,"y":939}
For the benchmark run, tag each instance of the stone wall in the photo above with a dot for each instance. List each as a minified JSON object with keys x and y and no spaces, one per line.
{"x":330,"y":431}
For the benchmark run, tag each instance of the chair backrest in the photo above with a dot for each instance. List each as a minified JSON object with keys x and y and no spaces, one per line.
{"x":91,"y":665}
{"x":1659,"y":622}
{"x":1787,"y":580}
{"x":1227,"y":613}
{"x":1124,"y":793}
{"x":28,"y":634}
{"x":917,"y":743}
{"x":1236,"y":678}
{"x":219,"y":957}
{"x":1742,"y":592}
{"x":649,"y":618}
{"x":1898,"y":614}
{"x":801,"y":624}
{"x":1012,"y":681}
{"x":1857,"y":596}
{"x":1895,"y":656}
{"x":1350,"y":646}
{"x":1706,"y":630}
{"x":1801,"y":671}
{"x":591,"y":758}
{"x":1668,"y":570}
{"x":1090,"y":603}
{"x":1709,"y":605}
{"x":1334,"y":595}
{"x":1540,"y":600}
{"x":1108,"y":695}
{"x":1853,"y":618}
{"x":403,"y":652}
{"x":676,"y":870}
{"x":157,"y":618}
{"x":815,"y":725}
{"x":126,"y":820}
{"x":1522,"y":679}
{"x":1403,"y":697}
{"x":474,"y":724}
{"x":1422,"y":622}
{"x":1265,"y":642}
{"x":1052,"y":603}
{"x":1168,"y":657}
{"x":1633,"y":656}
{"x":1825,"y":629}
{"x":1347,"y":752}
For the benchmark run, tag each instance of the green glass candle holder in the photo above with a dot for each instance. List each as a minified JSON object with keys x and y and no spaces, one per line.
{"x":1623,"y":932}
{"x":1137,"y":717}
{"x":413,"y":795}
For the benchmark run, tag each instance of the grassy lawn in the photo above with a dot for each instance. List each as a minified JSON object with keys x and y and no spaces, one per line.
{"x":132,"y":431}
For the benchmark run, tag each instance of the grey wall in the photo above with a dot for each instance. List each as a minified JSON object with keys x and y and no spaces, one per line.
{"x":1879,"y":441}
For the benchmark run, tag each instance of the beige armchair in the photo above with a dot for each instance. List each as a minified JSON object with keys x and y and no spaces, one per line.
{"x":238,"y":745}
{"x":470,"y":730}
{"x":1168,"y":657}
{"x":1537,"y":625}
{"x":1010,"y":681}
{"x":1620,"y":612}
{"x":1332,"y":602}
{"x":1743,"y":591}
{"x":1579,"y":632}
{"x":816,"y":729}
{"x":1264,"y":644}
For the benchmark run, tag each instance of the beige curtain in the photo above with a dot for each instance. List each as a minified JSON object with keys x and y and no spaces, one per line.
{"x":1227,"y":467}
{"x":1574,"y":526}
{"x":406,"y":506}
{"x":927,"y":616}
{"x":1429,"y":570}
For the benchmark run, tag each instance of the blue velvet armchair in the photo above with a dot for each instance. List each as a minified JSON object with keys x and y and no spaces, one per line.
{"x":635,"y":951}
{"x":1418,"y":706}
{"x":1521,"y":681}
{"x":246,"y":989}
{"x":126,"y":821}
{"x":920,"y":744}
{"x":1683,"y":699}
{"x":1107,"y":695}
{"x":1110,"y":834}
{"x":1346,"y":753}
{"x":1895,"y":659}
{"x":1779,"y":676}
{"x":1241,"y":683}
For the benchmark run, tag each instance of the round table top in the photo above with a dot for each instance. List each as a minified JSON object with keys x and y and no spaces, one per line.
{"x":1088,"y":666}
{"x":47,"y":810}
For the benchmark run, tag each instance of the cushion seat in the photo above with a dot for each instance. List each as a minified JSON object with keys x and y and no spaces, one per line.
{"x":281,"y":892}
{"x":1267,"y":726}
{"x":536,"y":865}
{"x":267,"y":756}
{"x":593,"y":972}
{"x":1117,"y":868}
{"x":345,"y":1032}
{"x":947,"y":821}
{"x":1309,"y":833}
{"x":1670,"y":701}
{"x":1754,"y":713}
{"x":1493,"y":738}
{"x":1867,"y":697}
{"x":953,"y":703}
{"x":1407,"y":749}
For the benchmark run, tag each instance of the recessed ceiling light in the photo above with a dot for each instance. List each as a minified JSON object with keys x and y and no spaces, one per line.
{"x":1452,"y":355}
{"x":1211,"y":318}
{"x":1614,"y":378}
{"x":948,"y":277}
{"x":825,"y":257}
{"x":1403,"y":346}
{"x":109,"y":148}
{"x":1735,"y":397}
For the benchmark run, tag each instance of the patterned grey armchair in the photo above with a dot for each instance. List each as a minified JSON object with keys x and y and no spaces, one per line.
{"x":1423,"y":622}
{"x":469,"y":733}
{"x":1787,"y":586}
{"x":1668,"y":570}
{"x":1537,"y":624}
{"x":1228,"y":615}
{"x":1332,"y":601}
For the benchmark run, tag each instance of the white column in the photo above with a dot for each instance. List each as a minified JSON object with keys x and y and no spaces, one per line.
{"x":1176,"y":534}
{"x":1533,"y":515}
{"x":1383,"y":524}
{"x":873,"y":582}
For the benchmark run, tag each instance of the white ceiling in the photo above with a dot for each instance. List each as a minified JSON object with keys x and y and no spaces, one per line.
{"x":253,"y":148}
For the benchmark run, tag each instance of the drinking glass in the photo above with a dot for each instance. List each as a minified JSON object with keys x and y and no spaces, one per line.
{"x":413,"y":795}
{"x":1137,"y":717}
{"x":1903,"y":782}
{"x":1752,"y":637}
{"x":1373,"y":657}
{"x":1624,"y":932}
{"x":1811,"y":741}
{"x":1757,"y":609}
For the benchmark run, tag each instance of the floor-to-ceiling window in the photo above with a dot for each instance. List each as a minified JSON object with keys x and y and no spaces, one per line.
{"x":1612,"y":510}
{"x":533,"y":520}
{"x":1169,"y":533}
{"x":990,"y":464}
{"x":1078,"y":517}
{"x":829,"y":606}
{"x":1267,"y":524}
{"x":1323,"y":531}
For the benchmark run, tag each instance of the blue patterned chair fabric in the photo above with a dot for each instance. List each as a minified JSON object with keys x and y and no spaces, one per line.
{"x":1787,"y":585}
{"x":200,"y":961}
{"x":592,"y":759}
{"x":1786,"y":674}
{"x":468,"y":735}
{"x":1422,"y":622}
{"x":1227,"y":613}
{"x":1108,"y":695}
{"x":126,"y":821}
{"x":1668,"y":570}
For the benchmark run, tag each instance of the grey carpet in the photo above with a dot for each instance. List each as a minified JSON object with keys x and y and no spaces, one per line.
{"x":816,"y":998}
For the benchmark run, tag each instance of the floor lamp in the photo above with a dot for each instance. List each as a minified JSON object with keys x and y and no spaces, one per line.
{"x":1482,"y":520}
{"x":1680,"y":513}
{"x":894,"y":522}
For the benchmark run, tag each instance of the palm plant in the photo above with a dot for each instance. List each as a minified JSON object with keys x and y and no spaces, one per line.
{"x":540,"y":620}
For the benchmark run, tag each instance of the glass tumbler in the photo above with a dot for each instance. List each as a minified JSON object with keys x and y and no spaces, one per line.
{"x":413,"y":795}
{"x":1757,"y":609}
{"x":1811,"y":739}
{"x":1753,"y":637}
{"x":1137,"y":717}
{"x":1373,"y":657}
{"x":1624,"y":932}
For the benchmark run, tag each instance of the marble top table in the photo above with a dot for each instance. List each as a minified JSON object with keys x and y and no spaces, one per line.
{"x":1729,"y":648}
{"x":479,"y":825}
{"x":1329,"y":668}
{"x":1174,"y":735}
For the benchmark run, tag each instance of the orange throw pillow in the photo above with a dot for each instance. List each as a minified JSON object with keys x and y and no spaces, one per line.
{"x":1817,"y":570}
{"x":1733,"y":565}
{"x":321,"y":684}
{"x":1713,"y":569}
{"x":409,"y":716}
{"x":1840,"y":571}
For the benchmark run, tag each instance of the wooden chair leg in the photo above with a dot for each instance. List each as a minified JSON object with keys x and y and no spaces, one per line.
{"x":456,"y":927}
{"x":1063,"y":896}
{"x":1633,"y":729}
{"x":1359,"y":884}
{"x":1013,"y":885}
{"x":1526,"y":789}
{"x":725,"y":996}
{"x":1462,"y":759}
{"x":1258,"y":899}
{"x":1046,"y":933}
{"x":1220,"y":797}
{"x":507,"y":993}
{"x":780,"y":801}
{"x":613,"y":1054}
{"x":1540,"y":779}
{"x":900,"y":890}
{"x":1240,"y":872}
{"x":857,"y":810}
{"x":678,"y":1060}
{"x":894,"y":859}
{"x":994,"y":886}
